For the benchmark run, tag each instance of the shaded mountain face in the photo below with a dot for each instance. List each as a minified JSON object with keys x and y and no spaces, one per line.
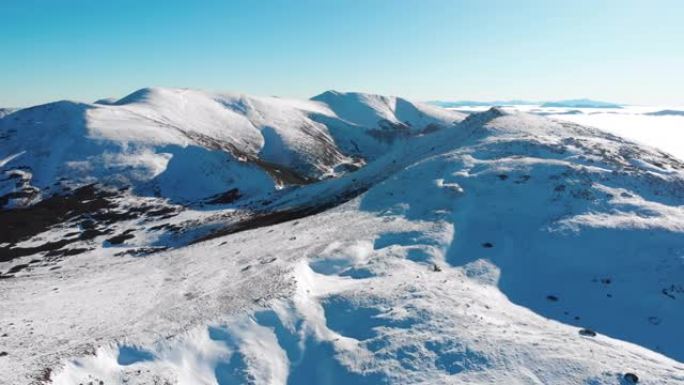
{"x":499,"y":248}
{"x":6,"y":111}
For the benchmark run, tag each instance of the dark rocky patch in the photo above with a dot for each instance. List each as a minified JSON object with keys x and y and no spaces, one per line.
{"x":66,"y":252}
{"x":672,"y":290}
{"x":17,"y":268}
{"x":22,"y":223}
{"x":141,"y":251}
{"x":45,"y":376}
{"x":164,"y":212}
{"x":121,"y":238}
{"x":10,"y":253}
{"x":92,"y":233}
{"x":279,"y":173}
{"x":229,"y":196}
{"x":27,"y":193}
{"x":167,"y":227}
{"x":430,"y":128}
{"x":93,"y":208}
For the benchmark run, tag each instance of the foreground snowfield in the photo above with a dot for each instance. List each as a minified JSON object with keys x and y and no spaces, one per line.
{"x":473,"y":253}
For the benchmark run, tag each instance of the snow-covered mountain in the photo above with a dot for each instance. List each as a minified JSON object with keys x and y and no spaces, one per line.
{"x":154,"y":139}
{"x":503,"y":248}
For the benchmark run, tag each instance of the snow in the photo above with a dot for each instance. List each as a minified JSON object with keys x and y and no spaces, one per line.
{"x":403,"y":324}
{"x":393,"y":109}
{"x":474,"y":255}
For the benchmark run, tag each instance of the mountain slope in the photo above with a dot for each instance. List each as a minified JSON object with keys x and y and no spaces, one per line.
{"x":508,"y":248}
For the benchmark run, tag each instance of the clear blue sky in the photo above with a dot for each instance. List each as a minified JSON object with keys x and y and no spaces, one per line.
{"x":624,"y":51}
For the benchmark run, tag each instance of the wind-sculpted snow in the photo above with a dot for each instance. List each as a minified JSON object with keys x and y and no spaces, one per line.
{"x":505,"y":249}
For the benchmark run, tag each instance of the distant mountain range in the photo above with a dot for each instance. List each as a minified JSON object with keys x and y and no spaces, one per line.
{"x":666,"y":113}
{"x":571,"y":103}
{"x":581,"y":103}
{"x":474,"y":103}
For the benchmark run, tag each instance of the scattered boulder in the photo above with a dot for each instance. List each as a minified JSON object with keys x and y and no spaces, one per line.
{"x":265,"y":261}
{"x":630,"y":378}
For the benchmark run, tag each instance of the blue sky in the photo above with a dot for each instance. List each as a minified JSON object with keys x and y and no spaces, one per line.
{"x":624,"y":51}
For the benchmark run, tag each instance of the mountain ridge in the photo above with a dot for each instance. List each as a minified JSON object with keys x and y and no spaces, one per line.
{"x":305,"y":140}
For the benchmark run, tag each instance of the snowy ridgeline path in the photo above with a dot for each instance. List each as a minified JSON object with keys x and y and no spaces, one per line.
{"x":509,"y":249}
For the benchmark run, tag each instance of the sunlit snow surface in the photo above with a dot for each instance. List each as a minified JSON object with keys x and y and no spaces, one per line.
{"x":476,"y":256}
{"x":657,"y":126}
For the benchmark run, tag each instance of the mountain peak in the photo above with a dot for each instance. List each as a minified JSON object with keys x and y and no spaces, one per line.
{"x":142,"y":95}
{"x":484,"y":117}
